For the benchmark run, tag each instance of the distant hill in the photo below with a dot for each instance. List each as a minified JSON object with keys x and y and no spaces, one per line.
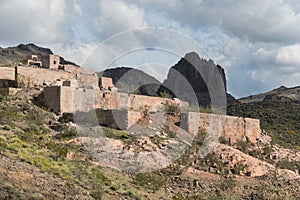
{"x":279,"y":94}
{"x":132,"y":80}
{"x":20,"y":53}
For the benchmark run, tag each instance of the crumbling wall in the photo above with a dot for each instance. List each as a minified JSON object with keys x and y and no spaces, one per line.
{"x":86,"y":78}
{"x":233,"y":129}
{"x":133,"y":117}
{"x":252,"y":129}
{"x":106,"y":83}
{"x":64,"y":99}
{"x":9,"y":91}
{"x":31,"y":76}
{"x":7,"y":73}
{"x":69,"y":68}
{"x":51,"y":98}
{"x":118,"y":119}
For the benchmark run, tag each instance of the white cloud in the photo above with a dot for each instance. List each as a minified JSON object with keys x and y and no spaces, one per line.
{"x":33,"y":21}
{"x":289,"y":55}
{"x":257,"y":42}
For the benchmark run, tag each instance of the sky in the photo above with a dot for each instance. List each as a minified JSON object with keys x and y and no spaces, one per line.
{"x":256,"y":42}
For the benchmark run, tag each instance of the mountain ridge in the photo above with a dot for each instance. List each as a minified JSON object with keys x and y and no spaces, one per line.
{"x":19,"y":54}
{"x":282,"y":92}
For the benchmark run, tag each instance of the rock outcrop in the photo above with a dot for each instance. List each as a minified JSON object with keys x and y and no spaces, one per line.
{"x":198,"y":76}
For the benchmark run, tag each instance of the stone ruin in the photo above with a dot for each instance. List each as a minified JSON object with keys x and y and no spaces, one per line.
{"x":69,"y":90}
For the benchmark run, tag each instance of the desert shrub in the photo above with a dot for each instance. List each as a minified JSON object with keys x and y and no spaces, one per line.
{"x":152,"y":181}
{"x":7,"y":127}
{"x":227,"y":183}
{"x":171,"y":108}
{"x":3,"y":142}
{"x":291,"y":165}
{"x":211,"y":161}
{"x":118,"y":134}
{"x":67,"y":134}
{"x":14,"y":144}
{"x":243,"y":145}
{"x":239,"y":168}
{"x":165,"y":94}
{"x":223,"y":140}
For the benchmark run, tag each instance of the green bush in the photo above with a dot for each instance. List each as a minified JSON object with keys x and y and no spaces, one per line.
{"x":152,"y":181}
{"x":67,"y":134}
{"x":118,"y":134}
{"x":291,"y":165}
{"x":3,"y":142}
{"x":227,"y":183}
{"x":171,"y":108}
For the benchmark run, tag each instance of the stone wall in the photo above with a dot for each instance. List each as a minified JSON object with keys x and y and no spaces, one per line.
{"x":118,"y":119}
{"x":115,"y":100}
{"x":7,"y":73}
{"x":233,"y":129}
{"x":9,"y":91}
{"x":4,"y":83}
{"x":69,"y":68}
{"x":32,"y":76}
{"x":65,"y":99}
{"x":51,"y":98}
{"x":86,"y":78}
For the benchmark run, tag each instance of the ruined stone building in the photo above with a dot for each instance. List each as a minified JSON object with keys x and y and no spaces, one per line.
{"x":34,"y":61}
{"x":50,"y":61}
{"x":71,"y":89}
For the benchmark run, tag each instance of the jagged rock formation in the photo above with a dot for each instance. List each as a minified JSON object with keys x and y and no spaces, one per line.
{"x":19,"y":54}
{"x":195,"y":75}
{"x":279,"y":94}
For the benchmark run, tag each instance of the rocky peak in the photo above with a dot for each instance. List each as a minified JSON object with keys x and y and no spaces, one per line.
{"x":195,"y":75}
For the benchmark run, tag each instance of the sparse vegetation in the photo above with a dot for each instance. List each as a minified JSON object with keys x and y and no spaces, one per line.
{"x":151,"y":181}
{"x":118,"y":134}
{"x":291,"y":165}
{"x":279,"y":119}
{"x":171,"y":108}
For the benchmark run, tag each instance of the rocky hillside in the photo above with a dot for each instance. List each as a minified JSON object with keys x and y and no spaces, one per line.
{"x":20,"y":53}
{"x":43,"y":157}
{"x":279,"y":94}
